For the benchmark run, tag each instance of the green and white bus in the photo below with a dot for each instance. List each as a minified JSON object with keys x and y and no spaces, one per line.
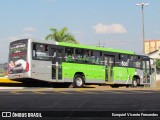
{"x":77,"y":64}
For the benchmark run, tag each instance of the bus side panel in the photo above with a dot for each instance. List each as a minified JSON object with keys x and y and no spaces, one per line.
{"x":93,"y":73}
{"x":140,"y":74}
{"x":132,"y":72}
{"x":41,"y":70}
{"x":123,"y":75}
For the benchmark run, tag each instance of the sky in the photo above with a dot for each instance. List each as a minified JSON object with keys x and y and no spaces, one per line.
{"x":114,"y":23}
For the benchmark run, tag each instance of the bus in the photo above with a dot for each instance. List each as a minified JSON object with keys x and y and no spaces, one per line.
{"x":76,"y":64}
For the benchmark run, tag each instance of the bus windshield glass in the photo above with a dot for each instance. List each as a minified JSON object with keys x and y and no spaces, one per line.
{"x":17,"y":56}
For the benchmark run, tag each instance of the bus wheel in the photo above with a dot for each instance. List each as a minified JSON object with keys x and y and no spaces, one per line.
{"x":78,"y":81}
{"x":127,"y":86}
{"x":134,"y":82}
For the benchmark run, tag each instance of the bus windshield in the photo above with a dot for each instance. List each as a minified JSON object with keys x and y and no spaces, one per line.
{"x":17,"y":56}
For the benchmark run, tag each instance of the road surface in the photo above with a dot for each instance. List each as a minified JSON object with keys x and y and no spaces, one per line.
{"x":97,"y":103}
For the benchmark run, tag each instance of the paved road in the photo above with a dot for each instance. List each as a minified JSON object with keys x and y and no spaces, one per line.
{"x":82,"y":99}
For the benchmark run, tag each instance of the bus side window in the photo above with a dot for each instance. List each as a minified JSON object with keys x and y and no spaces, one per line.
{"x":47,"y":50}
{"x":78,"y":55}
{"x":139,"y":62}
{"x":96,"y":57}
{"x":68,"y":54}
{"x":124,"y":60}
{"x":133,"y":61}
{"x":34,"y":50}
{"x":86,"y":56}
{"x":40,"y":52}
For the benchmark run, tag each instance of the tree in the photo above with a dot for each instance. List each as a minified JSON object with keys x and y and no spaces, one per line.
{"x":158,"y":64}
{"x":61,"y":35}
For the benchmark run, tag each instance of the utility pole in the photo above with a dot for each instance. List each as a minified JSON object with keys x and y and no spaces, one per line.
{"x":143,"y":35}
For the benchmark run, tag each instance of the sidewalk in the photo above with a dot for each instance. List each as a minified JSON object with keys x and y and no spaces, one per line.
{"x":158,"y":84}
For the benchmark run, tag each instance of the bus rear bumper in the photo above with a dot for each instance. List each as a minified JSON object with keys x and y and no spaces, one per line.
{"x":18,"y":76}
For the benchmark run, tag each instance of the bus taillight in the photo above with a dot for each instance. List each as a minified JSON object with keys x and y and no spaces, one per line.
{"x":27,"y":66}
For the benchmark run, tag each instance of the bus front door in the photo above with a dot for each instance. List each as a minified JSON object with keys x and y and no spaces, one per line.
{"x":146,"y":72}
{"x":56,"y":63}
{"x":109,"y":62}
{"x":153,"y":75}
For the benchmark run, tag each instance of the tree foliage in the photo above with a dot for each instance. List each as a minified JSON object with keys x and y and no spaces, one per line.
{"x":61,"y":35}
{"x":158,"y":63}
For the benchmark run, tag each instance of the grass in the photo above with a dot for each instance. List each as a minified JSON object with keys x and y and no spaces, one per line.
{"x":2,"y":75}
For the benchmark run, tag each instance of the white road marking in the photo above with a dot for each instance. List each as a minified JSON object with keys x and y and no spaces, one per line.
{"x":11,"y":88}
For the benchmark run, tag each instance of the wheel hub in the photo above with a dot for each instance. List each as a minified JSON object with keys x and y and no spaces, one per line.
{"x":79,"y":82}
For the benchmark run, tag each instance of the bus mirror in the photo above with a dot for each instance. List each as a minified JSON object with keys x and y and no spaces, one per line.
{"x":152,"y":70}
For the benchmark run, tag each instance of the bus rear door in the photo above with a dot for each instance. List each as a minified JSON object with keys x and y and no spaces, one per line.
{"x":57,"y":58}
{"x":109,"y":63}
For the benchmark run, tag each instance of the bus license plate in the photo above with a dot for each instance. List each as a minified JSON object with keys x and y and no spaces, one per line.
{"x":16,"y":76}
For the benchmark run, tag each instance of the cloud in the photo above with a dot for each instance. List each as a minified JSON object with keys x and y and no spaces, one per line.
{"x":101,"y":28}
{"x":29,"y":29}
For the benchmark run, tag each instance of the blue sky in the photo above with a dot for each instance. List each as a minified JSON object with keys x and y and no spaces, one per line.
{"x":115,"y":23}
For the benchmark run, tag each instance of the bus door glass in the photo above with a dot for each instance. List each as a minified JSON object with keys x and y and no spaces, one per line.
{"x":53,"y":58}
{"x":109,"y":63}
{"x":59,"y":59}
{"x":56,"y":63}
{"x":153,"y":73}
{"x":146,"y":71}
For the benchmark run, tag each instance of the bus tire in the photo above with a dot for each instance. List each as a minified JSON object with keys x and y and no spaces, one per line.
{"x":78,"y":81}
{"x":134,"y":82}
{"x":127,"y":86}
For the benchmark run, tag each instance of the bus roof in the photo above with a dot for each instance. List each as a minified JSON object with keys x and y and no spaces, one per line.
{"x":82,"y":46}
{"x":94,"y":48}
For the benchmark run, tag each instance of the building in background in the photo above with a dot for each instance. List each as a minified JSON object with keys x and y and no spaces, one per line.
{"x":152,"y":49}
{"x":151,"y":45}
